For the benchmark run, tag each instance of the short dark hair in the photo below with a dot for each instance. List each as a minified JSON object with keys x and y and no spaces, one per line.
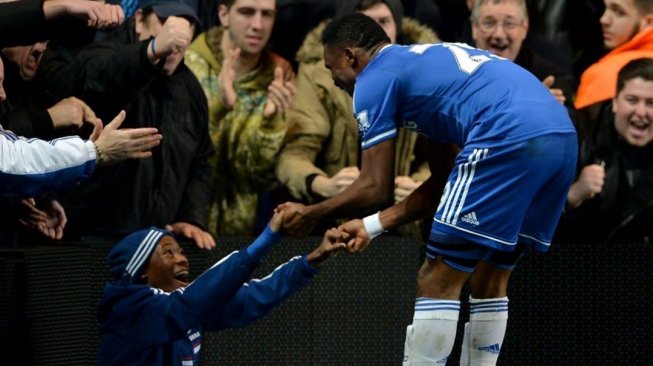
{"x":638,"y":68}
{"x":227,"y":3}
{"x":354,"y":30}
{"x":644,"y":6}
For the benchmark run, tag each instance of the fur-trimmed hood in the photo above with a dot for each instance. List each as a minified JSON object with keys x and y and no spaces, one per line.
{"x":312,"y":50}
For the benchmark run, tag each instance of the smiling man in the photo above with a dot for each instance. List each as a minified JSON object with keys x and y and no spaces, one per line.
{"x":153,"y":316}
{"x":612,"y":198}
{"x":501,"y":26}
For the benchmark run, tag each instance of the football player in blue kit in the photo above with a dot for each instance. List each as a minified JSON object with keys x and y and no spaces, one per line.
{"x":505,"y":193}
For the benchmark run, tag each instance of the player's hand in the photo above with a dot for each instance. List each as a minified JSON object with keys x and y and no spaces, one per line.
{"x":557,"y":93}
{"x":227,"y":77}
{"x":589,"y":184}
{"x":329,"y":187}
{"x":297,"y":219}
{"x":73,"y":112}
{"x":280,"y":94}
{"x":356,"y":236}
{"x":130,"y":143}
{"x":202,"y":239}
{"x":404,"y":186}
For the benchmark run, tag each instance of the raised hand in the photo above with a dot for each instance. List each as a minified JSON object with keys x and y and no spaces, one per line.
{"x":227,"y":77}
{"x":96,"y":14}
{"x":73,"y":112}
{"x":280,"y":94}
{"x":202,"y":239}
{"x":557,"y":93}
{"x":132,"y":143}
{"x":589,"y":184}
{"x":175,"y":36}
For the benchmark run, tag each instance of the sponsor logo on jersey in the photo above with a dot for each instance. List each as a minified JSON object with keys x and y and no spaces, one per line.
{"x":470,"y":218}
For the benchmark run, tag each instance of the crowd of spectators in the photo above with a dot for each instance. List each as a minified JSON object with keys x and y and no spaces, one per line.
{"x":229,"y":110}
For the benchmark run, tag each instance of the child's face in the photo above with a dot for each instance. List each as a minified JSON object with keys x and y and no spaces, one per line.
{"x":168,"y":266}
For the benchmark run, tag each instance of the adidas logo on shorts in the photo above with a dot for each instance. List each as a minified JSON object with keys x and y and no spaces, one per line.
{"x":470,"y":218}
{"x":494,"y":348}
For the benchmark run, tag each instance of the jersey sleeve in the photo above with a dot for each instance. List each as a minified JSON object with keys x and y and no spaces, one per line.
{"x":30,"y":167}
{"x":375,"y":107}
{"x":258,"y":297}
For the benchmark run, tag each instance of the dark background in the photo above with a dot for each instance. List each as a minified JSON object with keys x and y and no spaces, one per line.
{"x":579,"y":304}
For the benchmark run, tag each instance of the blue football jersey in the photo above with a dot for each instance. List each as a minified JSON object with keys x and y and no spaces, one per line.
{"x":452,"y":92}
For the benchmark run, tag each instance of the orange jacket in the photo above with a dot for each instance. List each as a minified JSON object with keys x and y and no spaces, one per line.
{"x":599,"y":82}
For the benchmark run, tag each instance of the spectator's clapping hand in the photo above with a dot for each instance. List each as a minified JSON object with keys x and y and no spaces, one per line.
{"x":227,"y":77}
{"x":332,"y":244}
{"x":96,"y":14}
{"x":589,"y":184}
{"x":404,"y":186}
{"x":297,"y":220}
{"x":130,"y":143}
{"x":175,"y":36}
{"x":49,"y":220}
{"x":557,"y":93}
{"x":356,"y":236}
{"x":280,"y":94}
{"x":72,"y":112}
{"x":202,"y":239}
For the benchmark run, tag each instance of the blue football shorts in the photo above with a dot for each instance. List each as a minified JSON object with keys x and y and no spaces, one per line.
{"x":497,"y":197}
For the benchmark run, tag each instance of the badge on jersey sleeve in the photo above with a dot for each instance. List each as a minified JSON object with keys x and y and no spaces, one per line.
{"x":363,"y":122}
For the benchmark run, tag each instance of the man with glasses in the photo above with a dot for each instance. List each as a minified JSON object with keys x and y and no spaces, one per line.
{"x":501,"y":26}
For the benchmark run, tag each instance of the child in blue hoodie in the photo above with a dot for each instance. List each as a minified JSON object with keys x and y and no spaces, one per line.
{"x":152,"y":316}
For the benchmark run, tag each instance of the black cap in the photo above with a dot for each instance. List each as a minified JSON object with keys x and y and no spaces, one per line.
{"x":169,"y":8}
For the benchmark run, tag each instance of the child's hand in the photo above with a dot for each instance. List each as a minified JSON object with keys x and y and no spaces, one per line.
{"x":277,"y":220}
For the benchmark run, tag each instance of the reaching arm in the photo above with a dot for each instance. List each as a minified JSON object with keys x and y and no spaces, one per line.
{"x":372,"y":190}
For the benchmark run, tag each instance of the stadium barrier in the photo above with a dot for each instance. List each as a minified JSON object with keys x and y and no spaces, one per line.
{"x":579,"y":304}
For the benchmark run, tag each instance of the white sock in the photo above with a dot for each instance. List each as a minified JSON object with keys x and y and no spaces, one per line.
{"x":464,"y":350}
{"x":430,"y":338}
{"x":487,"y":327}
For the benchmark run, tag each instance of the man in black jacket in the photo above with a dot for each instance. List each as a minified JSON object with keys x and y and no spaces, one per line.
{"x":612,"y":198}
{"x":140,"y":68}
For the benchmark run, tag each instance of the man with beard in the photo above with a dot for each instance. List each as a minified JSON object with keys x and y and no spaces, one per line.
{"x":249,"y":88}
{"x":628,"y":35}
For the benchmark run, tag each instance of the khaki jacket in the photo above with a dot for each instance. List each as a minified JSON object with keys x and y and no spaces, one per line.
{"x":322,"y":136}
{"x":246,"y":143}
